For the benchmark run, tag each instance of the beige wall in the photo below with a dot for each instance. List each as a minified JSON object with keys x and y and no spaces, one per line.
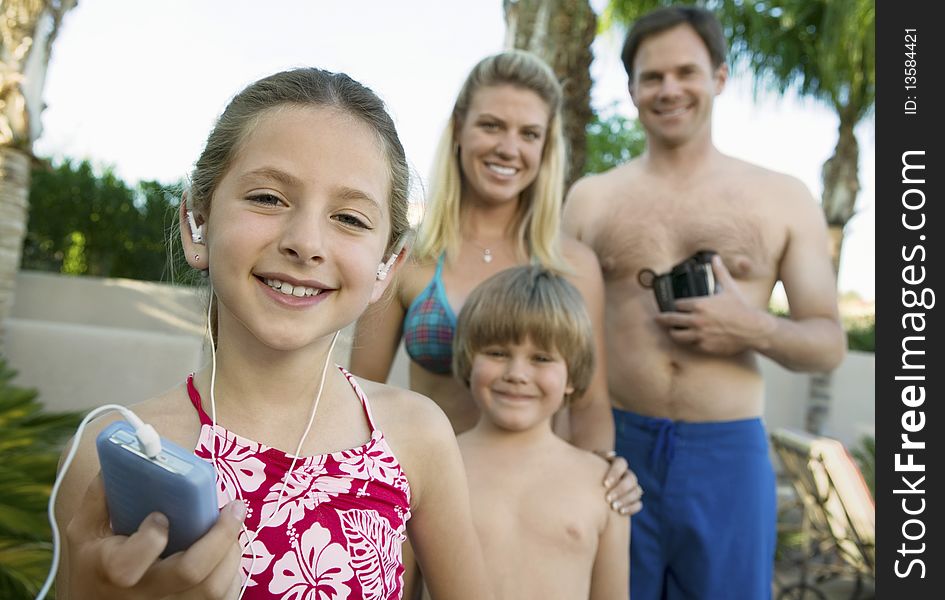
{"x":85,"y":341}
{"x":853,"y":387}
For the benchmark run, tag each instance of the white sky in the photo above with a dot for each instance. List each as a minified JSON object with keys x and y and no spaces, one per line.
{"x":137,"y":84}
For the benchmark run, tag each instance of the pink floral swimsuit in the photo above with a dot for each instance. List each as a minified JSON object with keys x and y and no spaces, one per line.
{"x":338,"y":530}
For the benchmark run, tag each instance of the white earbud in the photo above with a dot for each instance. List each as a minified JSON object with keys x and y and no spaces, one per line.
{"x":196,"y":232}
{"x":384,"y":268}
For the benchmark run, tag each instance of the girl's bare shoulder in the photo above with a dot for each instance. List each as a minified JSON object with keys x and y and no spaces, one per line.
{"x":403,"y":413}
{"x":172,"y":414}
{"x":417,"y":431}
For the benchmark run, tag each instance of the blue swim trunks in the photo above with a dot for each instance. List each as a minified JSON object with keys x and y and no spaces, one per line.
{"x":708,"y":525}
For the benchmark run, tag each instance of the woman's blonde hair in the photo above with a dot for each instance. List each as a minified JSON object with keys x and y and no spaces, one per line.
{"x":539,"y":216}
{"x":527,"y":302}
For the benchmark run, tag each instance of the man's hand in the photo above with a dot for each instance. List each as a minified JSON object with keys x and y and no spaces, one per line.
{"x":723,"y":324}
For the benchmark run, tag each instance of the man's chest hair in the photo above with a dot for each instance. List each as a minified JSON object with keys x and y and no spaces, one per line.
{"x":660,"y":232}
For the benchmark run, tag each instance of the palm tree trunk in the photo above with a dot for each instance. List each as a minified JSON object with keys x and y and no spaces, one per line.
{"x":27,"y":31}
{"x":14,"y":203}
{"x":561,"y":33}
{"x":841,"y":186}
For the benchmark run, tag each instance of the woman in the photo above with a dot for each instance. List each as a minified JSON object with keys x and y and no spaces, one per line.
{"x":495,"y":203}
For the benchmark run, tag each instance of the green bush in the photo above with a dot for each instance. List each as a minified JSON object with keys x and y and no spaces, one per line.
{"x":30,"y":443}
{"x":861,"y":333}
{"x":87,"y":223}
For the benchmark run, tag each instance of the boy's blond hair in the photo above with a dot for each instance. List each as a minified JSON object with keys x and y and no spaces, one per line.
{"x":528,"y":302}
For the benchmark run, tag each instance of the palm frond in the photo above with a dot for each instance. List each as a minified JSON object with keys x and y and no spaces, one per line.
{"x":30,"y":443}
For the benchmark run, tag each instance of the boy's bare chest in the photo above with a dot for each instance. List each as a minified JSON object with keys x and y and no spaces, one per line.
{"x":540,"y":515}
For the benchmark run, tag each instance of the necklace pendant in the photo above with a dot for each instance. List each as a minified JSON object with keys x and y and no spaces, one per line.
{"x":486,"y":255}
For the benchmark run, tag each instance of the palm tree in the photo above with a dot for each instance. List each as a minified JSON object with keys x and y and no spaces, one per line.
{"x":30,"y":443}
{"x":822,"y":49}
{"x":27,"y":31}
{"x":560,"y":32}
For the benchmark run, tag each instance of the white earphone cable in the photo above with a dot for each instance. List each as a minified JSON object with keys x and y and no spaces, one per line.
{"x":150,"y":443}
{"x":295,"y":455}
{"x":147,"y":437}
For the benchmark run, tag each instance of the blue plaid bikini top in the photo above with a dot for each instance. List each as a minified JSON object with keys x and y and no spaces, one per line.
{"x":429,"y":326}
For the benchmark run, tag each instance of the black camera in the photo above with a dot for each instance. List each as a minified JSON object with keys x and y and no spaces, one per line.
{"x":691,"y":277}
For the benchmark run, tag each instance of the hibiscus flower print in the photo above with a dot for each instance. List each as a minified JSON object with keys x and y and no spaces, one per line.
{"x":306,"y":487}
{"x":236,"y":464}
{"x":375,"y":550}
{"x":255,"y":558}
{"x":314,"y":568}
{"x":374,"y":461}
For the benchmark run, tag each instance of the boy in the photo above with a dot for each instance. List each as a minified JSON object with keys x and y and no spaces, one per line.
{"x":524,"y":347}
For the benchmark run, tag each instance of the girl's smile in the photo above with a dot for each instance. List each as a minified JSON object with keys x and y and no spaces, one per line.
{"x":293,"y":293}
{"x":298,"y":226}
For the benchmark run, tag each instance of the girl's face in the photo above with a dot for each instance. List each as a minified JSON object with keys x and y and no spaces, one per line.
{"x":518,"y":386}
{"x":501,"y":140}
{"x":297,"y":228}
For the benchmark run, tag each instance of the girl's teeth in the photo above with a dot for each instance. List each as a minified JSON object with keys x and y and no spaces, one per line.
{"x":288,"y":289}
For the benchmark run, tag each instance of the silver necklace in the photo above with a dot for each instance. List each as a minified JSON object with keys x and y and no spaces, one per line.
{"x":486,"y":253}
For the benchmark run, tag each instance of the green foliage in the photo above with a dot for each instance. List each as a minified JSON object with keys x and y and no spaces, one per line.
{"x":30,"y":443}
{"x":790,"y":543}
{"x":74,"y":262}
{"x":865,"y":456}
{"x":861,"y":333}
{"x":611,"y":141}
{"x":84,"y":223}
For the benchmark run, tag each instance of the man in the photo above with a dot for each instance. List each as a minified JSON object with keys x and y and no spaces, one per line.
{"x":687,"y":391}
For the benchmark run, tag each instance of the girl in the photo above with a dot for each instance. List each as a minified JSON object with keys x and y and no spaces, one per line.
{"x":495,"y":203}
{"x":295,"y":210}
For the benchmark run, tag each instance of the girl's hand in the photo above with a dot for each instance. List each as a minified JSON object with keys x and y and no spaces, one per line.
{"x":104,"y":565}
{"x":623,"y":491}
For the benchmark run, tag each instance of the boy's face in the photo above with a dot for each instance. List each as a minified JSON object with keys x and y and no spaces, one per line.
{"x":519,"y":386}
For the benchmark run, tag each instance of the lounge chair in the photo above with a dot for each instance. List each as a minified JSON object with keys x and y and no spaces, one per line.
{"x":839,"y":516}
